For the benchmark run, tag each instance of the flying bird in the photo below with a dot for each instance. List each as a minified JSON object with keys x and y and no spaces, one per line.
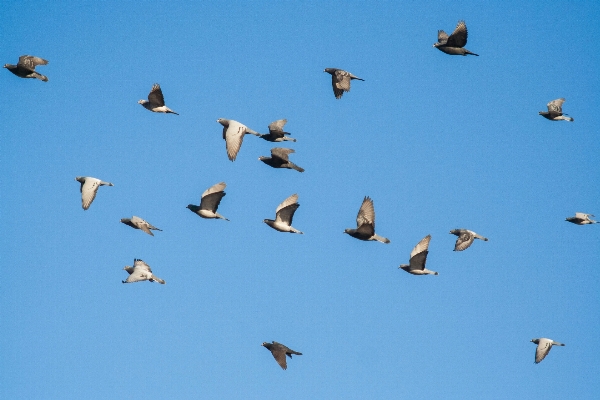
{"x":365,"y":223}
{"x":455,"y":43}
{"x":25,"y":67}
{"x":340,"y":81}
{"x":209,"y":202}
{"x":141,"y":272}
{"x":284,"y":214}
{"x":465,"y":238}
{"x":276,"y":133}
{"x":233,"y":134}
{"x":89,"y":188}
{"x":279,"y":352}
{"x":138,"y":223}
{"x":280,"y":159}
{"x":156,"y":101}
{"x":554,"y":112}
{"x":418,"y":258}
{"x":581,"y":219}
{"x":543,"y":348}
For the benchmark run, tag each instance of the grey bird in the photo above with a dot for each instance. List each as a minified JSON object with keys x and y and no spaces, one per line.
{"x":138,"y":223}
{"x":340,"y":81}
{"x":25,"y":67}
{"x":455,"y":43}
{"x":280,"y":159}
{"x":209,"y":202}
{"x":582,"y":219}
{"x":465,"y":238}
{"x":365,"y":223}
{"x":89,"y":188}
{"x":141,"y":272}
{"x":279,"y":352}
{"x":233,"y":134}
{"x":418,"y":258}
{"x":554,"y":112}
{"x":543,"y":348}
{"x":284,"y":214}
{"x":276,"y":133}
{"x":156,"y":101}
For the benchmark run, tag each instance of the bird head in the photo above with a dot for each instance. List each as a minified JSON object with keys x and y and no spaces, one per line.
{"x":80,"y":179}
{"x":536,"y":341}
{"x":455,"y":232}
{"x":347,"y":231}
{"x":223,"y":121}
{"x":125,"y":220}
{"x":5,"y":66}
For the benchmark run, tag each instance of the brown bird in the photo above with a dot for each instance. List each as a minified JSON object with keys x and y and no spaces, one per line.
{"x":156,"y":101}
{"x":365,"y":223}
{"x":233,"y":134}
{"x":581,"y":219}
{"x":465,"y":238}
{"x":25,"y":68}
{"x":279,"y":352}
{"x":141,"y":272}
{"x":418,"y":258}
{"x":340,"y":81}
{"x":276,"y":133}
{"x":279,"y":159}
{"x":138,"y":223}
{"x":554,"y":112}
{"x":455,"y":43}
{"x":543,"y":348}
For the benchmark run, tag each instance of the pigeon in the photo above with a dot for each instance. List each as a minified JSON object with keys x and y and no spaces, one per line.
{"x":276,"y":133}
{"x":279,"y":352}
{"x":365,"y":223}
{"x":554,"y":112}
{"x":141,"y":272}
{"x":209,"y":202}
{"x":543,"y":348}
{"x":582,"y":219}
{"x":25,"y":68}
{"x":340,"y":81}
{"x":89,"y":188}
{"x":455,"y":43}
{"x":284,"y":215}
{"x":156,"y":101}
{"x":138,"y":223}
{"x":279,"y":159}
{"x":465,"y":238}
{"x":418,"y":258}
{"x":233,"y":134}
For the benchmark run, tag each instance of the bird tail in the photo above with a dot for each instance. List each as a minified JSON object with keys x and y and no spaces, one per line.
{"x":299,"y":354}
{"x":220,"y":216}
{"x":297,"y":168}
{"x":468,"y":52}
{"x":568,"y":118}
{"x":41,"y":77}
{"x":482,"y":238}
{"x":381,"y":239}
{"x":294,"y":230}
{"x":169,"y":111}
{"x":289,"y":138}
{"x":157,"y":279}
{"x":248,"y":130}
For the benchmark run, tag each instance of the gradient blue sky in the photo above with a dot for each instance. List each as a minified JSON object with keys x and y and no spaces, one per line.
{"x":439,"y":142}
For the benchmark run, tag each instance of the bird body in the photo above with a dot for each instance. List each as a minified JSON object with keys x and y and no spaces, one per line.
{"x":138,"y":223}
{"x":276,"y":133}
{"x":89,"y":188}
{"x":284,"y":214}
{"x":554,"y":112}
{"x":141,"y":272}
{"x":340,"y":81}
{"x":233,"y":134}
{"x":25,"y":67}
{"x":156,"y":101}
{"x":544,"y":346}
{"x":455,"y":43}
{"x":365,"y":223}
{"x":465,"y":238}
{"x":280,"y":159}
{"x":279,"y":351}
{"x":581,"y":219}
{"x":418,"y":258}
{"x":209,"y":202}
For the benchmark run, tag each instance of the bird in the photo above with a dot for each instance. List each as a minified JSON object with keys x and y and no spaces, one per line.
{"x":365,"y":223}
{"x":233,"y":134}
{"x":340,"y":81}
{"x":138,"y":223}
{"x":465,"y":238}
{"x":276,"y":133}
{"x":279,"y":352}
{"x":418,"y":258}
{"x":89,"y":188}
{"x":25,"y":67}
{"x":543,"y":348}
{"x":554,"y":112}
{"x":582,"y":219}
{"x":156,"y":101}
{"x":280,"y":159}
{"x":455,"y":43}
{"x":284,"y":215}
{"x":141,"y":272}
{"x":209,"y":202}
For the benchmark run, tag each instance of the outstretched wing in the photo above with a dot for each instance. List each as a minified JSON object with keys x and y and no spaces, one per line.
{"x":276,"y":128}
{"x":465,"y":240}
{"x":234,"y":136}
{"x":423,"y":245}
{"x":30,"y":62}
{"x":555,"y":106}
{"x":88,"y":191}
{"x":155,"y":97}
{"x":459,"y":36}
{"x":442,"y":37}
{"x":542,"y":350}
{"x":281,"y":153}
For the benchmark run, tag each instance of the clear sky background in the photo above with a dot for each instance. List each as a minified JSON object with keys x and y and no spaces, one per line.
{"x":439,"y":142}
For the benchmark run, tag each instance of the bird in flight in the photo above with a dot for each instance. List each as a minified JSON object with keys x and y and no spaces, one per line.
{"x":455,"y":43}
{"x":279,"y":352}
{"x":340,"y":81}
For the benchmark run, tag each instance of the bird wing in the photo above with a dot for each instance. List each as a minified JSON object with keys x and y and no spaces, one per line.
{"x":276,"y":128}
{"x":423,"y":245}
{"x":465,"y":240}
{"x":211,"y":201}
{"x":139,"y":265}
{"x":234,"y":136}
{"x":88,"y":191}
{"x":281,"y":153}
{"x":286,"y":214}
{"x":30,"y":62}
{"x":459,"y":36}
{"x":542,"y":350}
{"x":582,"y":216}
{"x":555,"y":106}
{"x":279,"y":355}
{"x":155,"y":97}
{"x":136,"y":276}
{"x":287,"y":202}
{"x":217,"y":187}
{"x":366,"y":213}
{"x":417,"y":262}
{"x":442,"y":37}
{"x":342,"y":80}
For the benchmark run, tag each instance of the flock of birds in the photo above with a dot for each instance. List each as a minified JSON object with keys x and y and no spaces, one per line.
{"x":233,"y":134}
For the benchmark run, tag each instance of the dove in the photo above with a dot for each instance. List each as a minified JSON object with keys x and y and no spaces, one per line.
{"x":455,"y":43}
{"x":418,"y":258}
{"x":156,"y":101}
{"x":141,"y":272}
{"x":25,"y":67}
{"x":340,"y":81}
{"x":279,"y":352}
{"x":284,"y":215}
{"x":89,"y":188}
{"x":138,"y":223}
{"x":365,"y":223}
{"x":233,"y":134}
{"x":280,"y":159}
{"x":465,"y":238}
{"x":543,"y":348}
{"x":554,"y":112}
{"x":276,"y":133}
{"x":581,"y":219}
{"x":209,"y":202}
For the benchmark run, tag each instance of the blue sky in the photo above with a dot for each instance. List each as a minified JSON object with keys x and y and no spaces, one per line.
{"x":439,"y":142}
